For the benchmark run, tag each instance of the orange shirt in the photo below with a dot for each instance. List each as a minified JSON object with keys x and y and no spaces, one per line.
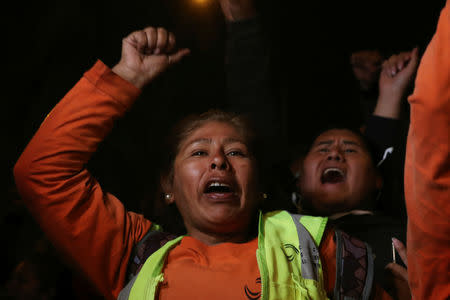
{"x":219,"y":272}
{"x":427,"y":170}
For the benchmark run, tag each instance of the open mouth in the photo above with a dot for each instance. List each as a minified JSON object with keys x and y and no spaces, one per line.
{"x":218,"y":188}
{"x":332,"y":175}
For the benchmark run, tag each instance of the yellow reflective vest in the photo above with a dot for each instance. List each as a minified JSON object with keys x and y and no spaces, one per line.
{"x":287,"y":255}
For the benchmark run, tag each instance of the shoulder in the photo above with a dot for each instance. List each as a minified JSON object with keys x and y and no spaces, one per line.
{"x":150,"y":243}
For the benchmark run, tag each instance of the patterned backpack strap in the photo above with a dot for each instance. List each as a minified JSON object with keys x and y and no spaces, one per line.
{"x":354,"y":268}
{"x":152,"y":241}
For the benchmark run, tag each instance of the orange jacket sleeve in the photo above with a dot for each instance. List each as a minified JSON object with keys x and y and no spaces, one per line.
{"x":427,"y":170}
{"x":90,"y":227}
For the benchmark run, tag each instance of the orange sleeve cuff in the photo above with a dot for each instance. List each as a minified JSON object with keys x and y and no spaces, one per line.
{"x":103,"y":78}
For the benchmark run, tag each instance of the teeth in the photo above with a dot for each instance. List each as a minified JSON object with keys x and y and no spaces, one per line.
{"x":218,"y":187}
{"x":218,"y":184}
{"x":333,"y":170}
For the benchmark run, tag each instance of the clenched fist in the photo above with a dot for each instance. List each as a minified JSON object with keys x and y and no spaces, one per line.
{"x":146,"y":54}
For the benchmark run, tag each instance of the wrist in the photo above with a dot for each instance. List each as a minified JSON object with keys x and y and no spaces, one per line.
{"x":390,"y":95}
{"x":388,"y":106}
{"x":129,"y":75}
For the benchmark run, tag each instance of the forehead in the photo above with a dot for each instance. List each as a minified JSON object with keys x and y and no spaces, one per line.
{"x":339,"y":135}
{"x":212,"y":130}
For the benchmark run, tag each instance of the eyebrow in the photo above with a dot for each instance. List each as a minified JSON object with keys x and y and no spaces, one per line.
{"x":200,"y":141}
{"x":209,"y":141}
{"x":329,"y":142}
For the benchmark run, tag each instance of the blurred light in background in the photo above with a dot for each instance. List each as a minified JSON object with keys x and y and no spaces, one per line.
{"x":201,"y":2}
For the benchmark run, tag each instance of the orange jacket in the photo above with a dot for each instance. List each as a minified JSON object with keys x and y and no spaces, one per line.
{"x":427,"y":170}
{"x":90,"y":226}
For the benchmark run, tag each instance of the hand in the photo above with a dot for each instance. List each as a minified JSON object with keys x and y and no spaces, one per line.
{"x":366,"y":65}
{"x":399,"y":274}
{"x":146,"y":54}
{"x":235,"y":10}
{"x":397,"y":74}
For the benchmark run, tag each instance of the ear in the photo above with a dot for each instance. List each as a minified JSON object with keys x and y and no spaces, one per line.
{"x":166,"y":185}
{"x":296,"y":167}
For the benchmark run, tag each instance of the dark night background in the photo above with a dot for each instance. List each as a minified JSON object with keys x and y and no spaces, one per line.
{"x":50,"y":44}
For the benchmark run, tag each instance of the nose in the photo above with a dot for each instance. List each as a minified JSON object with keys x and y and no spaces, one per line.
{"x":335,"y":154}
{"x":219,"y":162}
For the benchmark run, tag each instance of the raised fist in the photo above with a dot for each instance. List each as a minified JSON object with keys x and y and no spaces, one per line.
{"x":146,"y":54}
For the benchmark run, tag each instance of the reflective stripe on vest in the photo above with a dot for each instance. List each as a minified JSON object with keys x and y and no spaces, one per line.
{"x":287,"y":255}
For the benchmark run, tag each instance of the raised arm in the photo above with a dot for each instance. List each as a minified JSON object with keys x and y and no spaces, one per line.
{"x":90,"y":227}
{"x":238,"y":10}
{"x":396,"y":76}
{"x":251,"y":79}
{"x":246,"y":57}
{"x":427,"y":170}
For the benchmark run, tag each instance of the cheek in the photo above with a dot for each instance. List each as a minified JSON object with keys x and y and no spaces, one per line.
{"x":246,"y":175}
{"x":305,"y":184}
{"x":365,"y":177}
{"x":307,"y":174}
{"x":187,"y":177}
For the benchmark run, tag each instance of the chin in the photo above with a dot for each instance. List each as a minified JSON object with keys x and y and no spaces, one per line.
{"x":329,"y":206}
{"x":229,"y":218}
{"x":223,"y":215}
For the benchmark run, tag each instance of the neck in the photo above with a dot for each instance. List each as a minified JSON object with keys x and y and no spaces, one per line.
{"x":352,"y":212}
{"x":211,"y":239}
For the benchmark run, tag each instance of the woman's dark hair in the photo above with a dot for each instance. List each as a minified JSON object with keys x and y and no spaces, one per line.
{"x":168,"y":215}
{"x":302,"y":149}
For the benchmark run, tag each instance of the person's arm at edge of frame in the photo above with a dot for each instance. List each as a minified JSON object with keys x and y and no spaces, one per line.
{"x":247,"y":56}
{"x":384,"y":126}
{"x":89,"y":226}
{"x":238,"y":10}
{"x":253,"y":83}
{"x":427,"y":172}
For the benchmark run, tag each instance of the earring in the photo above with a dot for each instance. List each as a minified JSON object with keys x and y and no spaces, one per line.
{"x":296,"y":199}
{"x":168,"y":196}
